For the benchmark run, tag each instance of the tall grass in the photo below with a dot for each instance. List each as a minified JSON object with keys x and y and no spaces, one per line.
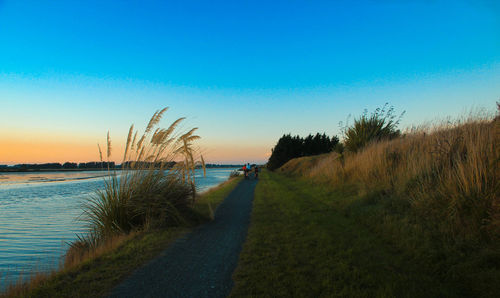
{"x":155,"y":186}
{"x":447,"y":175}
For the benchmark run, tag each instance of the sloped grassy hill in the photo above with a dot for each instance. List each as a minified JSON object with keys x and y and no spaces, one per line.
{"x":417,"y":216}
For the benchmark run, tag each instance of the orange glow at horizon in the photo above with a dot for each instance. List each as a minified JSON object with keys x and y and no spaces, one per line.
{"x":38,"y":150}
{"x":21,"y":151}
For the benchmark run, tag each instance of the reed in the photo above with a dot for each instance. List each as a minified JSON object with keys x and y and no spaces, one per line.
{"x":153,"y":189}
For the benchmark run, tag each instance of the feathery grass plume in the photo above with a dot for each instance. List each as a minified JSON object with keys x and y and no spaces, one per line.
{"x":133,"y":142}
{"x":139,"y":144}
{"x":157,"y":135}
{"x":163,"y":140}
{"x":154,"y":187}
{"x":127,"y":144}
{"x":203,"y":165}
{"x":173,"y":126}
{"x":100,"y":152}
{"x":154,"y":136}
{"x":192,"y":138}
{"x":108,"y":151}
{"x":189,"y":133}
{"x":155,"y":119}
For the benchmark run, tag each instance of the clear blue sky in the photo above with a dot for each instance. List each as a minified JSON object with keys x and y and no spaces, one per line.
{"x":78,"y":68}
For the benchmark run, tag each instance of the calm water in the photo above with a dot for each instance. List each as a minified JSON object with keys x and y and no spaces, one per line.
{"x":38,"y":214}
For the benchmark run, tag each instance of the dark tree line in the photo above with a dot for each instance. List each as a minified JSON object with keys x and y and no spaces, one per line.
{"x":70,"y":165}
{"x":96,"y":165}
{"x":93,"y":165}
{"x":145,"y":164}
{"x":289,"y":147}
{"x":66,"y":165}
{"x":42,"y":166}
{"x":213,"y":165}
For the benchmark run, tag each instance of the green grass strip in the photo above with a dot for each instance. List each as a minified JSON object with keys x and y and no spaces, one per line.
{"x":303,"y":243}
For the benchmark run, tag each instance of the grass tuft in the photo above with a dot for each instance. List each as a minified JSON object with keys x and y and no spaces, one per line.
{"x":152,"y":189}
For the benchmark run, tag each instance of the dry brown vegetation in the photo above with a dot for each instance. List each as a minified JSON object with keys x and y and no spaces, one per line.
{"x":447,"y":174}
{"x":73,"y":258}
{"x":430,"y":195}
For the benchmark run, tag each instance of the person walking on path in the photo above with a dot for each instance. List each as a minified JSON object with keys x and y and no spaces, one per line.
{"x":256,"y":169}
{"x":245,"y":171}
{"x":249,"y":168}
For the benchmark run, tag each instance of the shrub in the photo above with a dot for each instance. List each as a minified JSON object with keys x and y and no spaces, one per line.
{"x":152,"y":189}
{"x":380,"y":125}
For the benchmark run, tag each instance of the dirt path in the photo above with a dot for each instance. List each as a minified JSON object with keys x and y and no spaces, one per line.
{"x":201,"y":263}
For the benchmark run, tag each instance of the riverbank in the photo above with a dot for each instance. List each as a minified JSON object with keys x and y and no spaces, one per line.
{"x":96,"y":275}
{"x":101,"y":169}
{"x":53,"y":170}
{"x":310,"y":240}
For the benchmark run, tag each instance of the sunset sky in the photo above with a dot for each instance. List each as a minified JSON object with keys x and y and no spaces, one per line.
{"x":244,"y":72}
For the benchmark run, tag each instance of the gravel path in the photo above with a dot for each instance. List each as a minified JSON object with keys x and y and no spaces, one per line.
{"x":201,"y":263}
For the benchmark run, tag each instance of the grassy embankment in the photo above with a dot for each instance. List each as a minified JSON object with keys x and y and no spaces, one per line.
{"x":96,"y":274}
{"x":416,"y":216}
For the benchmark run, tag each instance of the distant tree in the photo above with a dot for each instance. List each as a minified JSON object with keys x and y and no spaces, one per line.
{"x":96,"y":165}
{"x":69,"y":165}
{"x":289,"y":147}
{"x":46,"y":166}
{"x":308,"y":145}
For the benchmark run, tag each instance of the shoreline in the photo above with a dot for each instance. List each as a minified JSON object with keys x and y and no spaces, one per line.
{"x":3,"y":170}
{"x":53,"y":170}
{"x":137,"y":249}
{"x":14,"y":186}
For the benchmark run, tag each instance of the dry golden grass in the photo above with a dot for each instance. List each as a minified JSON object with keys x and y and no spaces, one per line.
{"x":449,"y":172}
{"x":22,"y":286}
{"x":73,"y":258}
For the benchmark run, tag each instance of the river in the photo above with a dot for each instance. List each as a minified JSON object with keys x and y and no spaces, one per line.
{"x":39,"y":211}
